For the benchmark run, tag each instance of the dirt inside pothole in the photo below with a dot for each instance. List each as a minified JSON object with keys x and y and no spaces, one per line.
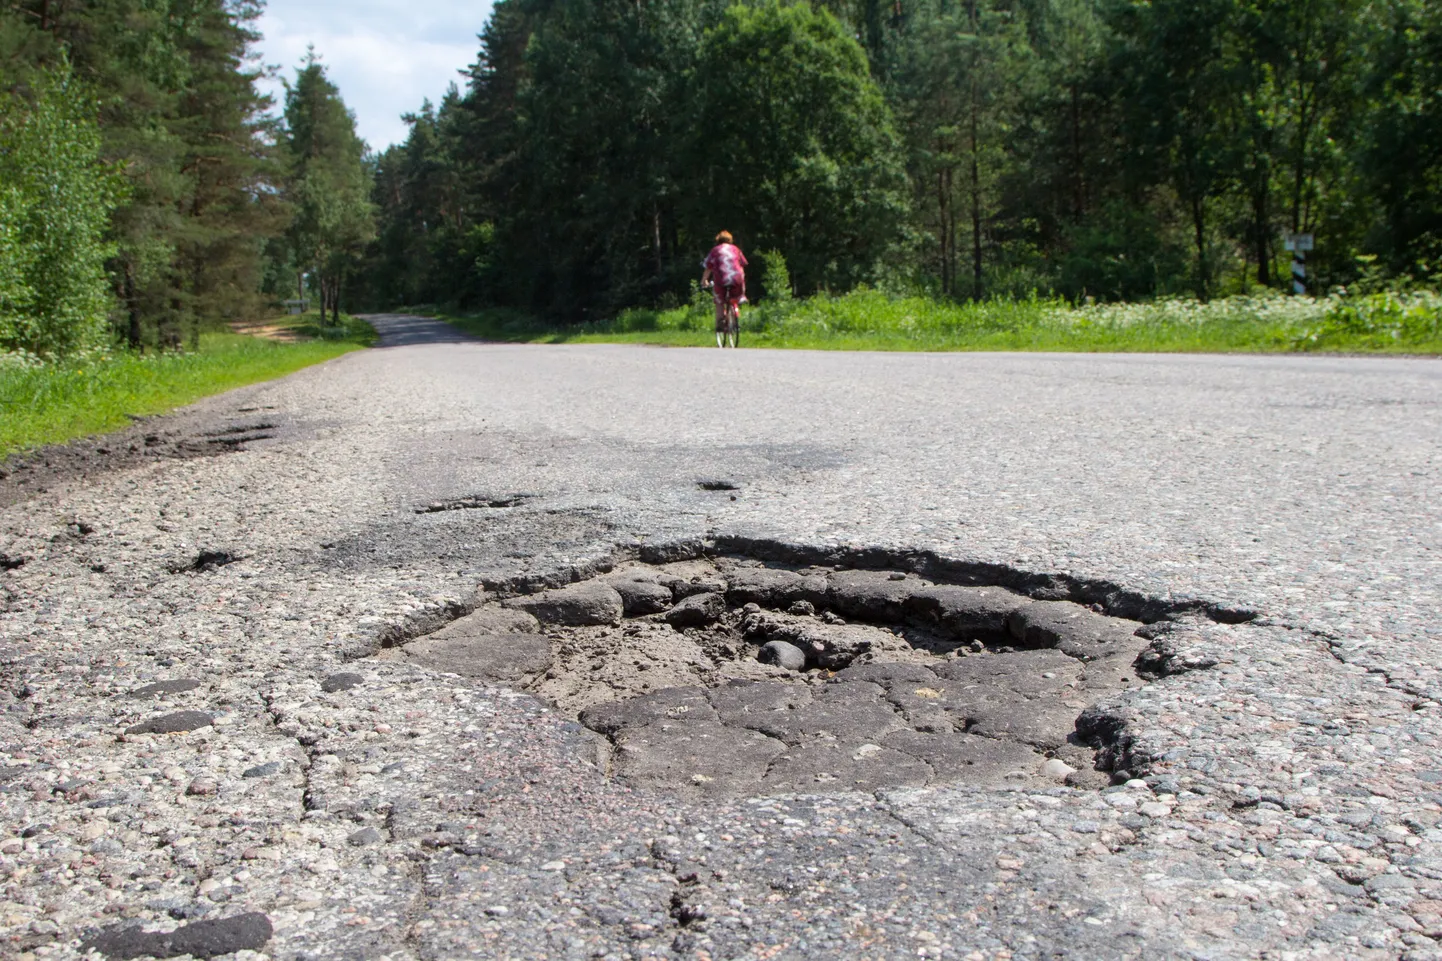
{"x":724,"y":676}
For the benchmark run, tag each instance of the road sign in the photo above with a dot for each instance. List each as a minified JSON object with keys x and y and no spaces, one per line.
{"x":1299,"y":242}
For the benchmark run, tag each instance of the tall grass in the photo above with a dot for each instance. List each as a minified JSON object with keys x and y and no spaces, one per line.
{"x":872,"y":320}
{"x":50,"y":403}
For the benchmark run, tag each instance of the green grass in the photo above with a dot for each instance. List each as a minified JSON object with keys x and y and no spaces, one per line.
{"x":53,"y":403}
{"x":870,"y":320}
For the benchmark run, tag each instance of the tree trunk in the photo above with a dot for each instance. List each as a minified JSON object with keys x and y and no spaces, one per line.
{"x":173,"y":335}
{"x":195,"y":284}
{"x":1300,"y":178}
{"x":951,"y":225}
{"x":943,"y":229}
{"x":1199,"y":225}
{"x":874,"y":41}
{"x":1078,"y":188}
{"x":132,"y":333}
{"x":976,"y":289}
{"x":1261,"y":231}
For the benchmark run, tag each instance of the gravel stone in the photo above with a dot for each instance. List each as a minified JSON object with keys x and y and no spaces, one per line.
{"x":365,"y":836}
{"x":1057,"y":770}
{"x":203,"y":787}
{"x":782,"y":654}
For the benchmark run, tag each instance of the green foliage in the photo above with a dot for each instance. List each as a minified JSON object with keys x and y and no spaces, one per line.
{"x":1402,"y":133}
{"x":56,"y":197}
{"x":600,"y":122}
{"x":775,"y":276}
{"x":794,"y":146}
{"x":180,"y":117}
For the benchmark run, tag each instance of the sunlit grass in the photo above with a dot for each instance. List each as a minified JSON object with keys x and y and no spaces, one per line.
{"x":53,"y":403}
{"x":871,"y":320}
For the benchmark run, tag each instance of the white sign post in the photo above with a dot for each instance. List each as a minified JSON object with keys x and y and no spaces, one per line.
{"x":1299,"y":244}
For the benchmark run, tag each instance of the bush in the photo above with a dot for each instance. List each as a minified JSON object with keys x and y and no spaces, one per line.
{"x":775,"y":277}
{"x":55,"y":203}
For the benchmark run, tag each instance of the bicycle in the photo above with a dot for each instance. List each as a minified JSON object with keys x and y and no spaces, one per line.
{"x":729,"y":330}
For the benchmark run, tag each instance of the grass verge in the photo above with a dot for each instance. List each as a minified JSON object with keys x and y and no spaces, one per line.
{"x":56,"y":402}
{"x":870,"y":320}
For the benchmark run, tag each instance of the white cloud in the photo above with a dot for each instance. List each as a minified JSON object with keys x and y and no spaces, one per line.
{"x":386,"y":56}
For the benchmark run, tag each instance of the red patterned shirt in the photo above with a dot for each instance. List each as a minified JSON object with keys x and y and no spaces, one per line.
{"x":727,"y":264}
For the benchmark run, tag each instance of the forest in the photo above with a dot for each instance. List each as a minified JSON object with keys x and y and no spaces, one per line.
{"x":149,"y":191}
{"x":962,"y":149}
{"x":1098,"y":151}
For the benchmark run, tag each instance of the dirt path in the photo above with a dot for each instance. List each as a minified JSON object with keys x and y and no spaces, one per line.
{"x":267,"y":330}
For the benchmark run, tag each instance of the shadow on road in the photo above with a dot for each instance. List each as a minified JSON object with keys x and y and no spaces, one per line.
{"x":405,"y":330}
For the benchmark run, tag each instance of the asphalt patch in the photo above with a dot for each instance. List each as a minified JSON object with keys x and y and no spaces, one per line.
{"x":202,"y":939}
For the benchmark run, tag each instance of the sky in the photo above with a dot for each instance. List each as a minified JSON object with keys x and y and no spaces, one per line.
{"x":386,"y":56}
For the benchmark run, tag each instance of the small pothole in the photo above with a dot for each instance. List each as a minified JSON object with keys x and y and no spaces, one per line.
{"x":205,"y":562}
{"x":724,"y":676}
{"x":474,"y":502}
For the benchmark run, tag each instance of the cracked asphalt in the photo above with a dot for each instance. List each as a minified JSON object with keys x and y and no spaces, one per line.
{"x":1283,"y":803}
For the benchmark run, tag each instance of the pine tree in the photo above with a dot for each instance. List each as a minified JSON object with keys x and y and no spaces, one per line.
{"x":328,"y":184}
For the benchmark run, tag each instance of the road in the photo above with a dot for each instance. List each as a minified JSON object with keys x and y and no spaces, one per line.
{"x":1292,"y":791}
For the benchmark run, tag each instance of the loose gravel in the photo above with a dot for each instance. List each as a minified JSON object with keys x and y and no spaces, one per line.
{"x":1278,"y":786}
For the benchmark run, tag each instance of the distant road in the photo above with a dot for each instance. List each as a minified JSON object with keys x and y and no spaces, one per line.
{"x":405,"y":330}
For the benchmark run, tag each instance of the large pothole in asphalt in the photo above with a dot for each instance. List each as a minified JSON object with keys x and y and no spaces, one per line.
{"x":724,"y":676}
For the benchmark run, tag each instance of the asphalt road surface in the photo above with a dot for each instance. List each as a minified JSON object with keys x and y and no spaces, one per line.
{"x":1284,"y":801}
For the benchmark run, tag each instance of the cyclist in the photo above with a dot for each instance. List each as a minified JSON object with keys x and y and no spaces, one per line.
{"x":726,"y":271}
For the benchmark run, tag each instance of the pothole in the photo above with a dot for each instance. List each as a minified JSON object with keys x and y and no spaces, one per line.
{"x":725,"y":676}
{"x":205,"y":562}
{"x":474,"y":502}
